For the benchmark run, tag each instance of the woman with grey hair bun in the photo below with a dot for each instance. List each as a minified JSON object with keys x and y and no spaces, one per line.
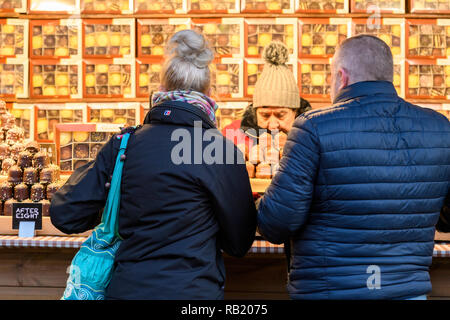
{"x":178,"y":209}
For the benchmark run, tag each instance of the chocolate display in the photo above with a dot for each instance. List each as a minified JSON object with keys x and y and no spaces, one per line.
{"x":6,"y":191}
{"x":12,"y":4}
{"x":32,"y":147}
{"x":45,"y":208}
{"x":13,"y":40}
{"x":225,"y":79}
{"x":25,"y":160}
{"x":30,"y":176}
{"x":149,"y":78}
{"x":52,"y":188}
{"x":117,"y":116}
{"x":213,"y":5}
{"x":48,"y":118}
{"x":104,"y":39}
{"x":22,"y":119}
{"x":15,"y":175}
{"x":428,"y":80}
{"x":37,"y":192}
{"x":47,"y":175}
{"x":105,"y":5}
{"x":159,"y":5}
{"x":428,"y":40}
{"x":227,"y":116}
{"x":391,"y":34}
{"x":321,"y":39}
{"x":7,"y":208}
{"x":260,"y":35}
{"x":154,"y":36}
{"x":41,"y":160}
{"x":12,"y":79}
{"x":320,"y":5}
{"x":270,"y":5}
{"x":21,"y":192}
{"x":223,"y":38}
{"x":315,"y":78}
{"x":4,"y":151}
{"x":382,"y":5}
{"x":52,"y":40}
{"x":263,"y":171}
{"x":439,"y":6}
{"x":253,"y":71}
{"x":54,"y":80}
{"x":104,"y":79}
{"x":7,"y":164}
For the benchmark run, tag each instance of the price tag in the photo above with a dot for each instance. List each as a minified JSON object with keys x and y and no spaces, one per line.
{"x":27,"y":212}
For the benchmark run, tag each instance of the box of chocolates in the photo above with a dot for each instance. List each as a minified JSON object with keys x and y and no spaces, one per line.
{"x":213,"y":6}
{"x":14,"y":78}
{"x":322,"y":6}
{"x":56,"y":78}
{"x":428,"y":79}
{"x":314,"y":77}
{"x":123,"y":113}
{"x":49,"y":115}
{"x":153,"y":34}
{"x":107,"y":6}
{"x":399,"y":76}
{"x":55,"y":38}
{"x":144,"y":109}
{"x":108,"y":38}
{"x":160,"y":6}
{"x":442,"y":108}
{"x":390,"y":30}
{"x":428,"y":38}
{"x":77,"y":144}
{"x":227,"y":78}
{"x":13,"y":38}
{"x":223,"y":35}
{"x":319,"y":37}
{"x":24,"y":115}
{"x":260,"y":32}
{"x":148,"y":76}
{"x":377,"y":6}
{"x":109,"y":78}
{"x":429,"y":6}
{"x":54,"y":6}
{"x":19,"y":6}
{"x":253,"y":69}
{"x":229,"y":112}
{"x":272,"y":6}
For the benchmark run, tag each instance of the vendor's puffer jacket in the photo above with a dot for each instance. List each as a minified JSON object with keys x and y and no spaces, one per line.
{"x":359,"y":193}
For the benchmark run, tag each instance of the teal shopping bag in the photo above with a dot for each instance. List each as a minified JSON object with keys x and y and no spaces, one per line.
{"x":91,"y":268}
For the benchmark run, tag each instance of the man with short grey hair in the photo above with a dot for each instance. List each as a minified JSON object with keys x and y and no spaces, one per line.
{"x":360,"y":186}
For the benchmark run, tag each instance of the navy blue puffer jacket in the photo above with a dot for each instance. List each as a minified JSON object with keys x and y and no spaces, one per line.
{"x":358,"y":194}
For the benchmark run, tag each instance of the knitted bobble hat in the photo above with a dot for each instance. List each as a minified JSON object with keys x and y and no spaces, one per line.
{"x":276,"y":86}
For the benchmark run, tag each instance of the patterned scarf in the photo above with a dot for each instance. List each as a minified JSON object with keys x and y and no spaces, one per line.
{"x":197,"y":99}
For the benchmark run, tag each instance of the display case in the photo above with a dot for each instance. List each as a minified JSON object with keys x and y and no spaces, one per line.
{"x":224,"y":35}
{"x":14,"y":78}
{"x":148,"y":76}
{"x":24,"y":115}
{"x":390,"y":30}
{"x":123,"y":113}
{"x":253,"y":69}
{"x":56,"y":78}
{"x":320,"y":37}
{"x":322,"y":6}
{"x":260,"y":32}
{"x":55,"y":39}
{"x":77,"y":144}
{"x":442,"y":108}
{"x":160,"y":6}
{"x":377,"y":6}
{"x":428,"y":38}
{"x":314,"y":77}
{"x":108,"y":38}
{"x":429,"y":6}
{"x":213,"y":6}
{"x":14,"y":38}
{"x":106,"y":78}
{"x":52,"y":6}
{"x":153,"y":34}
{"x":50,"y":114}
{"x":428,"y":79}
{"x":18,"y":6}
{"x":227,"y":78}
{"x":229,"y":112}
{"x":399,"y":76}
{"x":107,"y":6}
{"x":268,"y":6}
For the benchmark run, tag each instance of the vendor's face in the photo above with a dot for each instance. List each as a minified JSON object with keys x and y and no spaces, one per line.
{"x":275,"y":118}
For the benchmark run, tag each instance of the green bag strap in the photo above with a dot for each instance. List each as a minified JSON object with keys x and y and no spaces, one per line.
{"x":110,"y":213}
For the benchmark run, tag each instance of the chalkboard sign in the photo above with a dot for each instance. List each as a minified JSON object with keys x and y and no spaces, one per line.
{"x":27,"y":212}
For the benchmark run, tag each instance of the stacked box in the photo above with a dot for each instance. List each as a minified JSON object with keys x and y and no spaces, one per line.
{"x":428,"y":38}
{"x":108,"y":38}
{"x":51,"y":6}
{"x":55,"y":39}
{"x":229,"y":112}
{"x":148,"y":76}
{"x":49,"y":115}
{"x":19,"y":6}
{"x":314,"y":78}
{"x":390,"y":30}
{"x":123,"y":113}
{"x":14,"y":38}
{"x":224,"y":35}
{"x":227,"y":78}
{"x":260,"y":32}
{"x":160,"y":6}
{"x":253,"y":69}
{"x":109,"y":78}
{"x":213,"y":6}
{"x":272,"y":6}
{"x":428,"y":79}
{"x":153,"y":34}
{"x":429,"y":6}
{"x":319,"y":6}
{"x":56,"y":78}
{"x":14,"y":78}
{"x":24,"y":113}
{"x":377,"y":6}
{"x":319,"y":37}
{"x":107,"y":6}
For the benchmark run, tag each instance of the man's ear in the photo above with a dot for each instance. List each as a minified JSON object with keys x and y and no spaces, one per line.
{"x":343,"y":77}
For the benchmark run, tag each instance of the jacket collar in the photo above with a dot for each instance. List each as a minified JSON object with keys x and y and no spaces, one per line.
{"x":365,"y":88}
{"x":178,"y":113}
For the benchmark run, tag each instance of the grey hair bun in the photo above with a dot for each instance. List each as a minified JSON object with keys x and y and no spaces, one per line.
{"x":190,"y":46}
